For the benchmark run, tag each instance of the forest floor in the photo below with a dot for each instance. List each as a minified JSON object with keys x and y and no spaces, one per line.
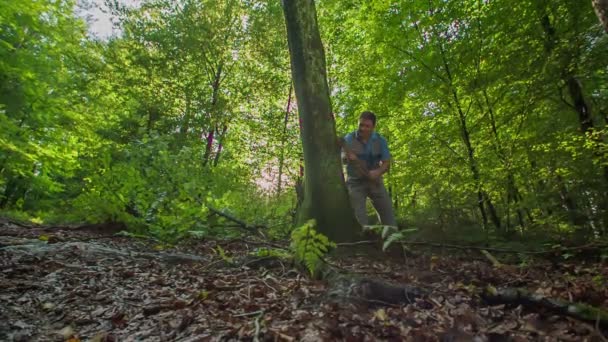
{"x":85,"y":285}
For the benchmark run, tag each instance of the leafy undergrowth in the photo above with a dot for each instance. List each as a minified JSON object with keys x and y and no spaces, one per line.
{"x":73,"y":294}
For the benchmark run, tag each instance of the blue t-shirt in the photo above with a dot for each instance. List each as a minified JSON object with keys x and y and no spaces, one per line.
{"x":372,"y":152}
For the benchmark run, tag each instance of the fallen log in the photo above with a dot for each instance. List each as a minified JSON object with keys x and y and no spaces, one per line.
{"x":344,"y":285}
{"x":242,"y":224}
{"x":533,"y":301}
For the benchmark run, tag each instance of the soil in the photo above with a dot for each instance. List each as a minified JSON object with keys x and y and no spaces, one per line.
{"x":67,"y":284}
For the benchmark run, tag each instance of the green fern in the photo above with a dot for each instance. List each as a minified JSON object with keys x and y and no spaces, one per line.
{"x":390,"y":238}
{"x":309,"y":246}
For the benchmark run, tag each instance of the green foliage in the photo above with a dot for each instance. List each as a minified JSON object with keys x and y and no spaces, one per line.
{"x":310,"y":247}
{"x":220,"y":251}
{"x":188,"y":107}
{"x":132,"y":235}
{"x":273,"y":252}
{"x":396,"y":236}
{"x":473,"y":100}
{"x":390,"y":234}
{"x":150,"y":126}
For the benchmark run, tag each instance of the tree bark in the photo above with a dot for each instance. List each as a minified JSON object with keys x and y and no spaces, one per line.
{"x":601,"y":9}
{"x":513,"y":195}
{"x":580,"y":106}
{"x":209,"y":145}
{"x":214,"y":98}
{"x":466,"y":139}
{"x":284,"y":140}
{"x":183,"y":130}
{"x":325,"y":195}
{"x":220,"y":146}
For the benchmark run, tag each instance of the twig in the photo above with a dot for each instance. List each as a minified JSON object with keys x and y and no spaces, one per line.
{"x":257,"y":326}
{"x":371,"y":301}
{"x":599,"y":332}
{"x":243,"y":224}
{"x":356,"y":243}
{"x":208,"y":266}
{"x":247,"y":314}
{"x":272,"y":288}
{"x":492,"y":259}
{"x":259,"y":243}
{"x":281,"y":335}
{"x":336,"y":266}
{"x":518,"y":278}
{"x":498,"y":250}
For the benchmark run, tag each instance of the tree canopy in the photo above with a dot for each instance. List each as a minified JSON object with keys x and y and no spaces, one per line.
{"x":495,"y":113}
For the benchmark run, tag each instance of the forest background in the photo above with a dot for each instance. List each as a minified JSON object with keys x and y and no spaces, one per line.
{"x":495,"y":113}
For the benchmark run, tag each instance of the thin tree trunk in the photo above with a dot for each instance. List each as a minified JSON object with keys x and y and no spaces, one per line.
{"x":209,"y":145}
{"x":325,"y":195}
{"x":582,"y":108}
{"x":183,"y":130}
{"x":216,"y":160}
{"x":512,"y":191}
{"x":214,"y":98}
{"x":284,"y":139}
{"x":465,"y":135}
{"x":574,"y":214}
{"x":580,"y":104}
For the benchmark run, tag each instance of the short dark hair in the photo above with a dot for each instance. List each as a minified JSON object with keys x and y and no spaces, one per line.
{"x":368,"y":116}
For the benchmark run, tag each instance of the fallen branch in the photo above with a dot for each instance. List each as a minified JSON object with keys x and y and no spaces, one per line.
{"x":530,"y":300}
{"x":260,"y":243}
{"x":497,"y":250}
{"x":246,"y":226}
{"x":491,"y":258}
{"x":246,"y":314}
{"x":155,"y":309}
{"x":370,"y":291}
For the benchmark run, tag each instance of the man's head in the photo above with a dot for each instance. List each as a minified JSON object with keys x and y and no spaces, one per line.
{"x":367,"y":123}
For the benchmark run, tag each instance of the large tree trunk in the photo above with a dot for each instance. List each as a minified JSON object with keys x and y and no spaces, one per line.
{"x":601,"y":9}
{"x":325,"y":195}
{"x":582,"y":108}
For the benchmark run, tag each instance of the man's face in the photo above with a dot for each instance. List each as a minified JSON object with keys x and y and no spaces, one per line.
{"x":366,"y":127}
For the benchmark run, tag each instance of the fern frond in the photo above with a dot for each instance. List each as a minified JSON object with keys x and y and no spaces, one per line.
{"x":397,"y":236}
{"x":309,"y":246}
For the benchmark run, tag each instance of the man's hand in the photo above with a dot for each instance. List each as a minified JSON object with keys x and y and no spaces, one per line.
{"x":375,"y":174}
{"x":351,"y":156}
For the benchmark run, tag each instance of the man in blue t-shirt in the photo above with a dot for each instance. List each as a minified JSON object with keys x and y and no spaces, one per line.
{"x":368,"y":158}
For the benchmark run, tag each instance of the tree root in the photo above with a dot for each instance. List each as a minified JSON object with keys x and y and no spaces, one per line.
{"x":580,"y":311}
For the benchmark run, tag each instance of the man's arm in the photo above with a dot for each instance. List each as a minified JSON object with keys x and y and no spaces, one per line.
{"x":384,"y":167}
{"x":350,"y":157}
{"x":385,"y":161}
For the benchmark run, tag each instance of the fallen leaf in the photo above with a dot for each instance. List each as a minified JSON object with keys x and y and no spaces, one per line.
{"x":99,"y":337}
{"x":20,"y":324}
{"x":202,"y":295}
{"x":66,"y":332}
{"x":380,"y":315}
{"x":48,"y":306}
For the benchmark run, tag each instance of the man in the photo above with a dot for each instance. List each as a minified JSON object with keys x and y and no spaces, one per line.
{"x":368,"y":158}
